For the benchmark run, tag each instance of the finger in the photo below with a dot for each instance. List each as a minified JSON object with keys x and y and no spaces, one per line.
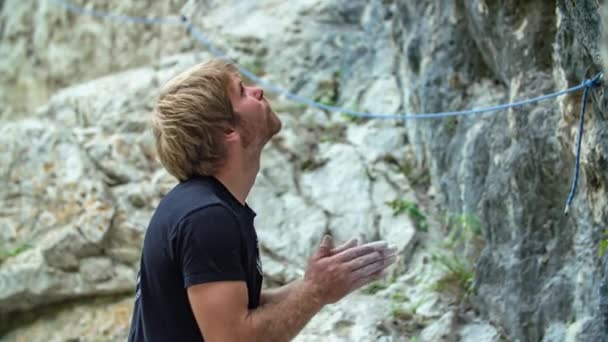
{"x":348,"y":244}
{"x":364,"y":281}
{"x":378,"y":245}
{"x":361,"y":250}
{"x":374,"y":267}
{"x":379,"y":275}
{"x":326,"y":246}
{"x":364,"y":260}
{"x":391,"y":249}
{"x":390,"y":256}
{"x":388,"y":251}
{"x":383,"y":248}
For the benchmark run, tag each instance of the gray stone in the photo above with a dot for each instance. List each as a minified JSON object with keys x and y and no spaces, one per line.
{"x":441,"y":330}
{"x":62,"y":248}
{"x":93,"y":319}
{"x":474,"y":332}
{"x":355,"y":318}
{"x":539,"y":275}
{"x":555,"y":333}
{"x":350,"y":217}
{"x":54,"y":48}
{"x":96,"y":269}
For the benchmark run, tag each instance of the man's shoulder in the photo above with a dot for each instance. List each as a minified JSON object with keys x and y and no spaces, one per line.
{"x":211,"y":214}
{"x":185,"y":199}
{"x":192,"y":189}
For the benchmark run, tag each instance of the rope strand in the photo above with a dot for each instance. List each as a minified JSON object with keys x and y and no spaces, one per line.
{"x":589,"y":84}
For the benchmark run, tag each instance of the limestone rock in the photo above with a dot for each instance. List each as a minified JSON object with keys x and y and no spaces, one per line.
{"x":82,"y":176}
{"x":441,"y":330}
{"x":479,"y":332}
{"x":354,"y":319}
{"x":104,"y":319}
{"x":53,"y":47}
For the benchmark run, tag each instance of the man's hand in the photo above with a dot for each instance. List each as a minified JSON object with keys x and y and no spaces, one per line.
{"x":348,"y":244}
{"x":382,"y":245}
{"x":220,"y":308}
{"x":332,"y":273}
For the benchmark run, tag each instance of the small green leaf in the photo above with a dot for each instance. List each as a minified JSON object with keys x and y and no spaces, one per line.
{"x":603,"y":246}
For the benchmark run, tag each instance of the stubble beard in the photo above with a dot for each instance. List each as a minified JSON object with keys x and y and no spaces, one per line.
{"x":274,"y":124}
{"x":257,"y":137}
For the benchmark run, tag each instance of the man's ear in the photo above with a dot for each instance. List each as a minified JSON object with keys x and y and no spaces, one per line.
{"x":231,"y":135}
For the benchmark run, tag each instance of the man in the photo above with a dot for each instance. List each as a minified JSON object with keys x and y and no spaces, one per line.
{"x":200,"y":274}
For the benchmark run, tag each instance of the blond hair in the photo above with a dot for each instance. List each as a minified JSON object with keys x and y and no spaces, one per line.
{"x":193,"y":112}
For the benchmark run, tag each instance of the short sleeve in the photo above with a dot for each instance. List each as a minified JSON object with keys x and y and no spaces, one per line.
{"x":208,"y":246}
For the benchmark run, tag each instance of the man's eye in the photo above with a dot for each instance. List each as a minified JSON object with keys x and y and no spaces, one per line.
{"x":242,"y":90}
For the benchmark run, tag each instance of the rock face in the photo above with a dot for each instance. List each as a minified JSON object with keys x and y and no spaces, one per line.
{"x":45,"y":48}
{"x":78,"y":190}
{"x":80,"y":180}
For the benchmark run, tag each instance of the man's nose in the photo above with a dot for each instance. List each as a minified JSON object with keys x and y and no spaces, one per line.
{"x":258,"y":93}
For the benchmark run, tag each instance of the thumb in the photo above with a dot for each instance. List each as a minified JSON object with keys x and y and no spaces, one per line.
{"x":326,"y":246}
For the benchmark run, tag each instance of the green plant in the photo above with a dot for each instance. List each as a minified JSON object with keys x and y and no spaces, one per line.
{"x":458,"y":281}
{"x":419,"y":177}
{"x":8,"y":252}
{"x":469,"y":222}
{"x":356,"y":119}
{"x":460,"y":251}
{"x":399,"y":296}
{"x":326,"y":97}
{"x":450,"y":125}
{"x":414,"y":308}
{"x":333,"y":132}
{"x":409,"y":311}
{"x":463,"y":227}
{"x":353,"y":118}
{"x":374,"y":287}
{"x":402,"y":314}
{"x":603,"y":244}
{"x":407,"y":318}
{"x":328,"y":91}
{"x":312,"y":164}
{"x":400,"y":206}
{"x":393,"y":278}
{"x":464,"y":236}
{"x":338,"y":74}
{"x":256,"y":66}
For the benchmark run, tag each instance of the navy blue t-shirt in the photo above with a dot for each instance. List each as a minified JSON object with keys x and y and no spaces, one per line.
{"x":199,"y":233}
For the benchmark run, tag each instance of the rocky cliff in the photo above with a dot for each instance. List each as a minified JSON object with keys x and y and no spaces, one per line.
{"x":474,"y":204}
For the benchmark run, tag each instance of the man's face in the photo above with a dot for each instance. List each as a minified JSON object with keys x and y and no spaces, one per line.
{"x":258,"y":123}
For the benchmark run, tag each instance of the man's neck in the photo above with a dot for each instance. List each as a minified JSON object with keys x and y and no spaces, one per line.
{"x":238,"y":176}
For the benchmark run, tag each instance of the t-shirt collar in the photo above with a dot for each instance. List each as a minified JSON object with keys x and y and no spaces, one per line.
{"x":228,"y":196}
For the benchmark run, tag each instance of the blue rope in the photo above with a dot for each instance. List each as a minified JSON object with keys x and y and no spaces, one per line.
{"x":297,"y":98}
{"x":586,"y":84}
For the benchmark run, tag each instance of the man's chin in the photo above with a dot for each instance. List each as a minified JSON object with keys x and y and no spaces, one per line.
{"x":277,"y":123}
